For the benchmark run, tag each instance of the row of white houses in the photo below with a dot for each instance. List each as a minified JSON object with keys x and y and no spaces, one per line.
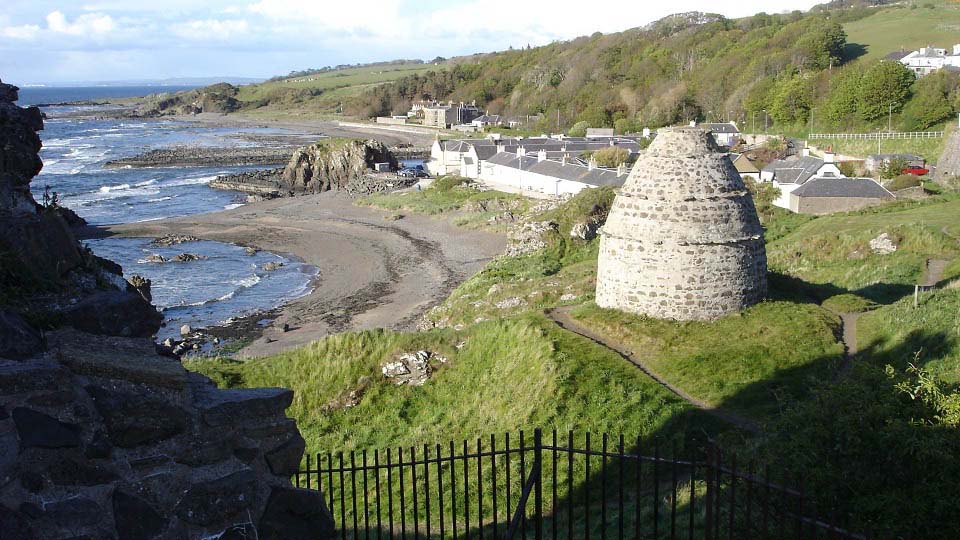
{"x":548,"y":165}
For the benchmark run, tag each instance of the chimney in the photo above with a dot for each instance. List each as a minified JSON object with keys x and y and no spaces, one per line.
{"x":805,"y":152}
{"x":592,"y":164}
{"x":693,"y":123}
{"x":521,"y":151}
{"x":620,"y":169}
{"x":829,"y":157}
{"x":563,"y":160}
{"x":541,"y":155}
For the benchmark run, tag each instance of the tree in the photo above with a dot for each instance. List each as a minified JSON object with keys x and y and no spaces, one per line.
{"x":884,"y":88}
{"x":823,"y":45}
{"x":930,"y":103}
{"x":792,"y":99}
{"x":892,"y":168}
{"x":611,"y":156}
{"x":579,"y":129}
{"x":841,"y":104}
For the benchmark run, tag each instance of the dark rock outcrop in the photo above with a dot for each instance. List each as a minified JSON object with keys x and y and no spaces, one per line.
{"x":217,"y":98}
{"x":44,"y":271}
{"x":333,"y":165}
{"x":100,"y":437}
{"x":17,"y":338}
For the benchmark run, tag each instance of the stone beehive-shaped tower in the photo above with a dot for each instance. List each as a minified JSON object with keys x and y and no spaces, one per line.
{"x":683,"y":240}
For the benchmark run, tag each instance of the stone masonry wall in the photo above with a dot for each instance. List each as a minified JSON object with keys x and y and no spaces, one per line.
{"x":100,"y":438}
{"x":683,"y":240}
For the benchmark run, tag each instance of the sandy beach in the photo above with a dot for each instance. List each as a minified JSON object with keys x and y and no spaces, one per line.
{"x":374,"y":272}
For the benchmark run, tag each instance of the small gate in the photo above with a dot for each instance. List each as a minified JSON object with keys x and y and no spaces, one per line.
{"x":570,"y":488}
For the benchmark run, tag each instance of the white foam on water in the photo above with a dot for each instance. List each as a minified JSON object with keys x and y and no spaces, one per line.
{"x":232,"y":206}
{"x":191,"y":181}
{"x":159,"y":199}
{"x":108,"y":189}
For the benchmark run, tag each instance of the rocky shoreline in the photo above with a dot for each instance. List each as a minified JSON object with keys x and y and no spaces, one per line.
{"x":264,"y":184}
{"x":184,"y":156}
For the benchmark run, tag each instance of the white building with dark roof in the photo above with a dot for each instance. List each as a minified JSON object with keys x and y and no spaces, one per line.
{"x":724,"y":133}
{"x":789,"y":174}
{"x":830,"y":194}
{"x":446,"y":157}
{"x":926,"y":60}
{"x":528,"y":174}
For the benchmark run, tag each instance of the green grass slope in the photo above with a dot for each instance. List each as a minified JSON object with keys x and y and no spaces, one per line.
{"x":832,"y":253}
{"x":499,"y":376}
{"x":909,"y":26}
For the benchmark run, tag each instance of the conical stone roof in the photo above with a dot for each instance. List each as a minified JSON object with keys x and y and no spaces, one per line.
{"x":683,"y":240}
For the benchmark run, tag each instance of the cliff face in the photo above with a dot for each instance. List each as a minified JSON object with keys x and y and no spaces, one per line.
{"x":45,"y":274}
{"x":332,"y":165}
{"x":99,"y":436}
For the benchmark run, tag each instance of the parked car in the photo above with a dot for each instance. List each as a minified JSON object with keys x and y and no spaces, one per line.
{"x":916,"y":171}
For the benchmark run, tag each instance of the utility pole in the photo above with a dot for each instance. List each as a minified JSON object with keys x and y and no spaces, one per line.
{"x":890,"y":119}
{"x":765,"y":117}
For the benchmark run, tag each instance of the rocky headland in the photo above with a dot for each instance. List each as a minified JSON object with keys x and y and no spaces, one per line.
{"x":344,"y":165}
{"x":101,"y":437}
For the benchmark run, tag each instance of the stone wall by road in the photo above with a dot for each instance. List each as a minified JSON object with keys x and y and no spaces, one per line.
{"x":821,"y":206}
{"x":683,"y":240}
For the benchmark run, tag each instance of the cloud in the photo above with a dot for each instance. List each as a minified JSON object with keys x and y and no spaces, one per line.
{"x":372,"y":16}
{"x":24,"y":32}
{"x":211,"y":29}
{"x":89,"y":24}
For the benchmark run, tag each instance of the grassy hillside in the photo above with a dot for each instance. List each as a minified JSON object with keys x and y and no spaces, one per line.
{"x":323,"y":92}
{"x":832,"y":254}
{"x":908,"y":25}
{"x":876,"y":435}
{"x":802,"y":71}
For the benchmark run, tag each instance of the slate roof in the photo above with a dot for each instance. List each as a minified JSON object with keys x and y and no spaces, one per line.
{"x":721,"y":127}
{"x":573,"y":172}
{"x":578,"y":173}
{"x":796,"y":171}
{"x":896,"y":55}
{"x":833,"y":186}
{"x":743,"y":165}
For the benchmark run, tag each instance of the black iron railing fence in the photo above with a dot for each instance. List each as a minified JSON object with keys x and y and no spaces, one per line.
{"x":561,"y":487}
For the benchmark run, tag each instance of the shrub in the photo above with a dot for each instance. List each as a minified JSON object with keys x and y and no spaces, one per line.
{"x":448,"y":183}
{"x":579,"y":129}
{"x":611,"y":156}
{"x":903,"y":181}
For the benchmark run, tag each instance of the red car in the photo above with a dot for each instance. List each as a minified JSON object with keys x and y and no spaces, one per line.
{"x":916,"y":171}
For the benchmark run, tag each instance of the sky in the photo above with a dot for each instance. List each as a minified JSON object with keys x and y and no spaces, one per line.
{"x":50,"y":41}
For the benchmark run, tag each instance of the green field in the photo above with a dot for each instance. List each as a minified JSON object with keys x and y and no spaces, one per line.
{"x":355,"y":79}
{"x":929,"y":149}
{"x":907,"y":27}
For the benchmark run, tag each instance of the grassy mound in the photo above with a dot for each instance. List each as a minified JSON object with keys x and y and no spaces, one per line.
{"x":834,"y":251}
{"x":500,"y":376}
{"x":451,"y":194}
{"x":928,"y":336}
{"x":848,"y":303}
{"x":741,"y":362}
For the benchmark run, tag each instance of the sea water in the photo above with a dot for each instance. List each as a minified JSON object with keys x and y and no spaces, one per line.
{"x":227,"y":282}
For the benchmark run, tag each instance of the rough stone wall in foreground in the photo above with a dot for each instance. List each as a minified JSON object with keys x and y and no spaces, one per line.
{"x":683,"y":240}
{"x":100,"y":437}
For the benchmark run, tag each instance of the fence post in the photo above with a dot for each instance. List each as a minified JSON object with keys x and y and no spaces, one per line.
{"x":538,"y":489}
{"x":710,"y":493}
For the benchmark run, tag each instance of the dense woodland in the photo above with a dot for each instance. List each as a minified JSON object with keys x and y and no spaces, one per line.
{"x":795,"y":72}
